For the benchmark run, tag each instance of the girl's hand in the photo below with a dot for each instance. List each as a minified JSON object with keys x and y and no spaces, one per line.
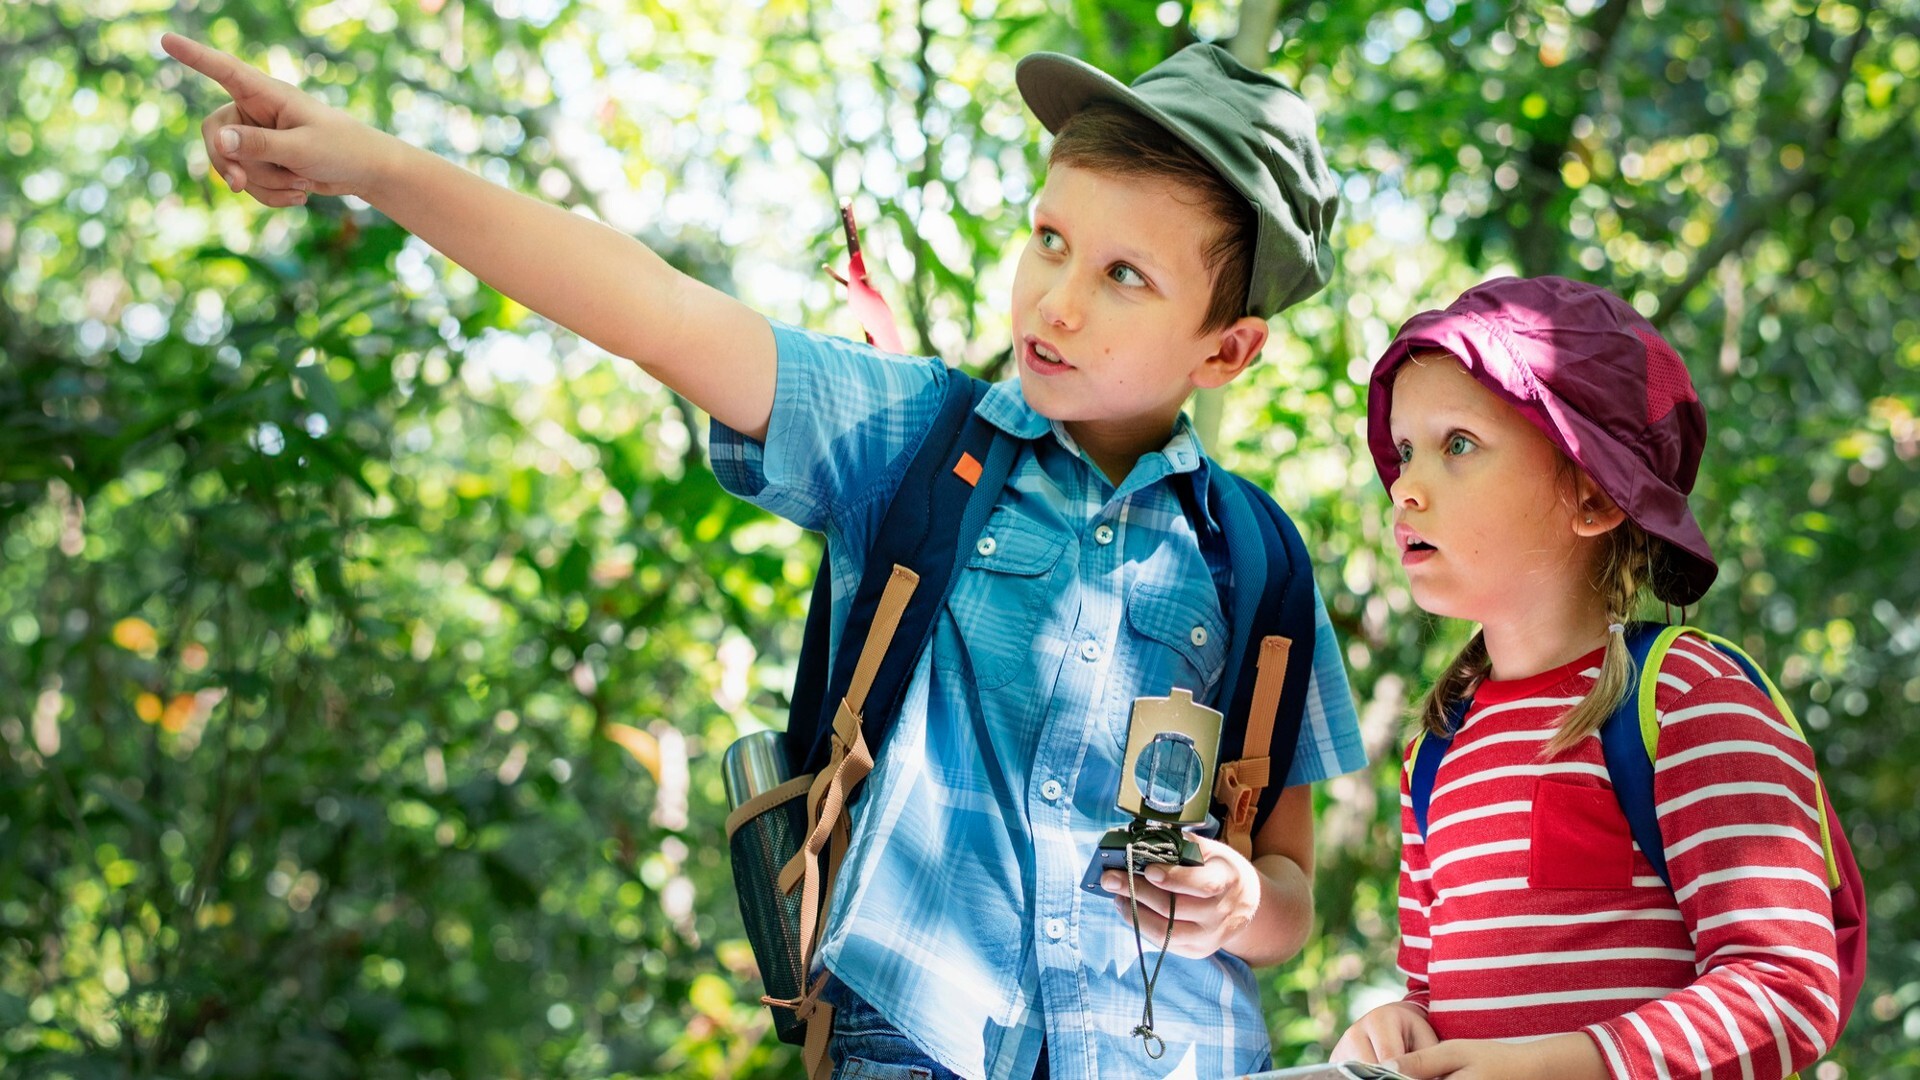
{"x":1387,"y":1032}
{"x":274,"y":141}
{"x":1217,"y":899}
{"x":1563,"y":1057}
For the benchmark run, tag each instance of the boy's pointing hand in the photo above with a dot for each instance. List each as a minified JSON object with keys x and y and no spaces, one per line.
{"x":274,"y":141}
{"x":1216,"y":900}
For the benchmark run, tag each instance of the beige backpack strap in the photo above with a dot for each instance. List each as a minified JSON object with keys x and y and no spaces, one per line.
{"x":764,"y":802}
{"x":818,"y":1015}
{"x":1239,"y":783}
{"x":848,"y":762}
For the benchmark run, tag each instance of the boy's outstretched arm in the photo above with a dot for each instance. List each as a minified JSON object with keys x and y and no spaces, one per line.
{"x":278,"y":143}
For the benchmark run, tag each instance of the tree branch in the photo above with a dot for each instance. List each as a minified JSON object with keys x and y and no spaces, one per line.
{"x":1755,"y":216}
{"x":1249,"y":46}
{"x":1257,"y":20}
{"x":1539,"y":238}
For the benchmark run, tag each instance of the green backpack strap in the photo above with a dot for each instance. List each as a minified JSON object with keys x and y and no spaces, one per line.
{"x":1650,"y":720}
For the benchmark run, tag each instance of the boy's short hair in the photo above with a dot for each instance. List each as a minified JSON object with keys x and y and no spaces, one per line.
{"x":1106,"y":137}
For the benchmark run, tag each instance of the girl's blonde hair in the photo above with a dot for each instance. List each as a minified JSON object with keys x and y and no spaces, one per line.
{"x":1622,"y":570}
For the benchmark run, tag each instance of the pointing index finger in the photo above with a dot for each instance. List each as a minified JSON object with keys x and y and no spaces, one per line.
{"x":238,"y":79}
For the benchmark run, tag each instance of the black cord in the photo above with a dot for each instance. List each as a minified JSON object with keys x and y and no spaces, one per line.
{"x":1151,"y":846}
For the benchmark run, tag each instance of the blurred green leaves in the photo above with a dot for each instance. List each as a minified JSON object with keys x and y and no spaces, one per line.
{"x":367,"y":645}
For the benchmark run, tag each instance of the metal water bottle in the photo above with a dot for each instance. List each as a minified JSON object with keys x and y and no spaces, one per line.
{"x":756,"y":762}
{"x":762,"y":845}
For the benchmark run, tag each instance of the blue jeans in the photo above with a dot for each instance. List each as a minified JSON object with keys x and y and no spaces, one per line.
{"x":865,"y":1047}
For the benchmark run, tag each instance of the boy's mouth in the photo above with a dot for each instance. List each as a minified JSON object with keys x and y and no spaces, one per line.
{"x":1042,"y":358}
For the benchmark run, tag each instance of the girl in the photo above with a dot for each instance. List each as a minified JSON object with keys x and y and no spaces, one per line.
{"x":1538,"y":440}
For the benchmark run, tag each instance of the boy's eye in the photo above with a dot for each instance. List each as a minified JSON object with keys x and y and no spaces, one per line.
{"x":1459,"y":444}
{"x":1405,"y":450}
{"x":1126,"y":275}
{"x":1049,"y":239}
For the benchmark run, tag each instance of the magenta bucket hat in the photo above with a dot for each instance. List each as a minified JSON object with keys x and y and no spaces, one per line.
{"x":1587,"y":370}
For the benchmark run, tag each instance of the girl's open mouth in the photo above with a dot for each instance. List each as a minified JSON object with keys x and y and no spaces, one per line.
{"x":1413,"y":548}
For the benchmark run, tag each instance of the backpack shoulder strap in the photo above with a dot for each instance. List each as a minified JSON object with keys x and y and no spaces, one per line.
{"x":1428,"y":749}
{"x":1758,"y":676}
{"x":1269,"y":608}
{"x":836,"y":731}
{"x":1629,"y":740}
{"x":942,"y":502}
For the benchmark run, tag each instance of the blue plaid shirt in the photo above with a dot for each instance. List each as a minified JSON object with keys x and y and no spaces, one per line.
{"x":958,"y":913}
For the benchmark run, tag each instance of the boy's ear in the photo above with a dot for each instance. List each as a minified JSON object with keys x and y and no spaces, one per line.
{"x":1594,"y":511}
{"x":1236,"y":348}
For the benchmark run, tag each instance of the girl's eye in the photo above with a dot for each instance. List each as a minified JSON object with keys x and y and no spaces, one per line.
{"x":1049,"y":239}
{"x":1459,"y":444}
{"x":1405,"y":450}
{"x":1127,"y":275}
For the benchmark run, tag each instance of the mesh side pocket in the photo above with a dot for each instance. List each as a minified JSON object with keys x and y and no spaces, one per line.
{"x":761,"y":847}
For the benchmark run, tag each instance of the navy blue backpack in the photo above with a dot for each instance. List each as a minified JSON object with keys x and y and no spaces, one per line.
{"x":787,"y":842}
{"x":843,"y":707}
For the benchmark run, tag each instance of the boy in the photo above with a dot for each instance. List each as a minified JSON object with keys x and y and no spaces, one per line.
{"x":1177,"y":216}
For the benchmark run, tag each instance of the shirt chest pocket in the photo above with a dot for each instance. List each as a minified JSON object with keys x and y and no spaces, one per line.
{"x":1580,"y":838}
{"x":1185,"y":639}
{"x":1004,"y":586}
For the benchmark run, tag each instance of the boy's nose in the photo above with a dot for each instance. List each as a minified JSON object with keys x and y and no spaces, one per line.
{"x":1061,"y":306}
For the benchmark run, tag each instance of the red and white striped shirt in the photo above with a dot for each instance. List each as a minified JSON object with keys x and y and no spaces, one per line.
{"x":1529,"y":911}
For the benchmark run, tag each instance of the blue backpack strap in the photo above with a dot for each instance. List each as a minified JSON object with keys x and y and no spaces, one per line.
{"x":1631,"y":739}
{"x":1629,"y":764}
{"x":1270,"y":594}
{"x":805,"y":713}
{"x":1427,"y":753}
{"x":939,"y":509}
{"x":1730,"y":649}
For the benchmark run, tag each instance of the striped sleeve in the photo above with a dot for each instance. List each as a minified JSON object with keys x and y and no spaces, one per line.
{"x":1416,"y":896}
{"x":1734,"y":788}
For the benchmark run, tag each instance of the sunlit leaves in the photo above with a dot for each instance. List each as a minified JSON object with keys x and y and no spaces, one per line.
{"x":370,"y":643}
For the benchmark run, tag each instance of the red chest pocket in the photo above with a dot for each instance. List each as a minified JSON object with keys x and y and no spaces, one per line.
{"x":1580,"y":838}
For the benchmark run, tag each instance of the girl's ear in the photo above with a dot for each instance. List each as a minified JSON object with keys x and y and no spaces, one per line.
{"x":1594,"y":511}
{"x":1239,"y":346}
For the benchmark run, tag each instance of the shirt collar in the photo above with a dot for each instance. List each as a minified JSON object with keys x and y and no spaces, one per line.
{"x":1006,"y":408}
{"x":1184,"y":452}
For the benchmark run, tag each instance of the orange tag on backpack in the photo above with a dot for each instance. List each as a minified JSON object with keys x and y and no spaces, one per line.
{"x":968,"y":469}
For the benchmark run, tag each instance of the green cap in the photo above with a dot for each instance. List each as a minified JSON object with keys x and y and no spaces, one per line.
{"x":1248,"y":125}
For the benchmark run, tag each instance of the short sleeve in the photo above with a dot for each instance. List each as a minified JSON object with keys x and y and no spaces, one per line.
{"x":846,"y":418}
{"x":1329,"y":743}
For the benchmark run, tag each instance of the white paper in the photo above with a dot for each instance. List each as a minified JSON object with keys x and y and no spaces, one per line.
{"x":1344,"y":1070}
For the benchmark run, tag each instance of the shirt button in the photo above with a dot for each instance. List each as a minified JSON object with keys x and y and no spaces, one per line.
{"x":1198,"y":637}
{"x":986,"y":545}
{"x":1051,"y":790}
{"x":1090,"y":651}
{"x":1103,"y":535}
{"x":1056,"y":928}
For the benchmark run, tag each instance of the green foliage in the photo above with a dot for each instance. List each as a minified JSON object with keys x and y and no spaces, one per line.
{"x":367,"y":645}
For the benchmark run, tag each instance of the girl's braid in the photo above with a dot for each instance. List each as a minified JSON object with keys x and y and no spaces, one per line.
{"x":1624,"y":569}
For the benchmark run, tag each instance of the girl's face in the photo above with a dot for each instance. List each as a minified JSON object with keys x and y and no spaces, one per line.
{"x":1484,"y":508}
